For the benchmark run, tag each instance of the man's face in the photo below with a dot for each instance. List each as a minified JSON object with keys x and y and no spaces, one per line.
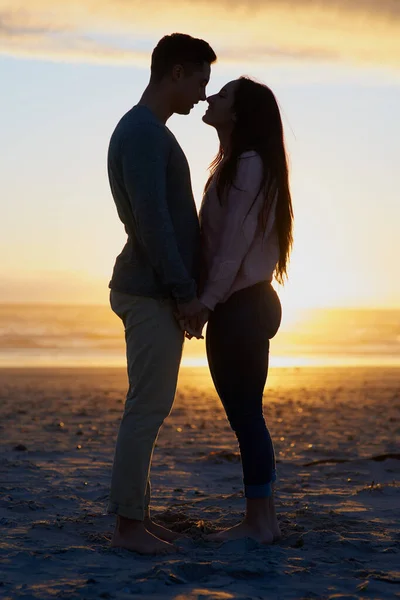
{"x":190,"y":89}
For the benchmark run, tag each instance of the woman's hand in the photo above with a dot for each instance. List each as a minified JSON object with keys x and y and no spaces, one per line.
{"x":189,"y":309}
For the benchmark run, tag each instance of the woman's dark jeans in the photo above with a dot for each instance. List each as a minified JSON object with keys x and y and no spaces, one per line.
{"x":237,"y":343}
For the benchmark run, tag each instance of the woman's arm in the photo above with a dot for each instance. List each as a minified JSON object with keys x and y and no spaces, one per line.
{"x":238,"y":230}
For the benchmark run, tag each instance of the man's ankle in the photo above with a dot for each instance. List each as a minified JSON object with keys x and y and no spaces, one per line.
{"x":124,"y":524}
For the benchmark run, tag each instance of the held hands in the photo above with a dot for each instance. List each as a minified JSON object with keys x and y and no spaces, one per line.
{"x":193,"y":326}
{"x":192,"y":316}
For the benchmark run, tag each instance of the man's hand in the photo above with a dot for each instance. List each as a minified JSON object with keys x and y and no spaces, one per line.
{"x":190,"y":309}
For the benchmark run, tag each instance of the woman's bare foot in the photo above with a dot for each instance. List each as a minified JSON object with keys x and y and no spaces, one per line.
{"x":161,"y":532}
{"x":275,"y":530}
{"x":260,"y":523}
{"x":260,"y":533}
{"x":272,"y":520}
{"x":260,"y":512}
{"x":133,"y":535}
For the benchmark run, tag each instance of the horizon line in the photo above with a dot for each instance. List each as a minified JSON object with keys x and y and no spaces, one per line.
{"x":106,"y":304}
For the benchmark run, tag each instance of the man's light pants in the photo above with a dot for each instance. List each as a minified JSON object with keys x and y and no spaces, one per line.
{"x":154,"y":343}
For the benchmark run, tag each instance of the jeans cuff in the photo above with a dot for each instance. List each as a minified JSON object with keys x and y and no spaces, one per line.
{"x":258,"y":491}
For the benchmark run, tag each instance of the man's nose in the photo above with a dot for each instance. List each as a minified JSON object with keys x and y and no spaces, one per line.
{"x":203,"y":94}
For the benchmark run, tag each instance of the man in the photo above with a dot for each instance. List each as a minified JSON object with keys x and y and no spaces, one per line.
{"x":154,"y":279}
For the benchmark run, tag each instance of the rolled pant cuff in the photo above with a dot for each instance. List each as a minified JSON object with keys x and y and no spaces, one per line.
{"x":129,"y":512}
{"x":260,"y":491}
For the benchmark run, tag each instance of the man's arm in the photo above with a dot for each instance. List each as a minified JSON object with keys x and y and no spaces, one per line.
{"x":144,"y":167}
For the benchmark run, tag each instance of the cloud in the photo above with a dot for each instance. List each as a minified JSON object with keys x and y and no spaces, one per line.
{"x":241,"y":31}
{"x":32,"y":35}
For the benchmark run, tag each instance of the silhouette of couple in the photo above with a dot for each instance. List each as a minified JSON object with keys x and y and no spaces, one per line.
{"x":179,"y":270}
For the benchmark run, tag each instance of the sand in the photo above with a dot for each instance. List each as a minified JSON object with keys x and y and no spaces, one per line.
{"x":338,"y":494}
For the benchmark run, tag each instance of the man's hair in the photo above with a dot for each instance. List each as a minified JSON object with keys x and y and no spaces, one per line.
{"x":180,"y":49}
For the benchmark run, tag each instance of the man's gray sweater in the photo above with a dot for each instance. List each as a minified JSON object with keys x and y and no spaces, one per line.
{"x":150,"y":182}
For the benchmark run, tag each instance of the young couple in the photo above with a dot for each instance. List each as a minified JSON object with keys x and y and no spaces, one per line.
{"x":175,"y":274}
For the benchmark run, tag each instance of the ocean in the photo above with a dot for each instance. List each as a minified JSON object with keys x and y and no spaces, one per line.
{"x":36,"y":335}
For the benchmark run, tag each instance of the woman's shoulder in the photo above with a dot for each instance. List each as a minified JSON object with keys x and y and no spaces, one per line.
{"x":250,"y":166}
{"x":249,"y":154}
{"x":250,"y":160}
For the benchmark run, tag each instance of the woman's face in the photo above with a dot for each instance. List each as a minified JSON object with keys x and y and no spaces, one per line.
{"x":220,"y":107}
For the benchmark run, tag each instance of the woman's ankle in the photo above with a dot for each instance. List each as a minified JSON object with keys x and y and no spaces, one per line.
{"x":259,"y":511}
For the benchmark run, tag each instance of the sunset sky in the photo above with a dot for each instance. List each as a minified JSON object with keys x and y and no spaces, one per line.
{"x":69,"y":70}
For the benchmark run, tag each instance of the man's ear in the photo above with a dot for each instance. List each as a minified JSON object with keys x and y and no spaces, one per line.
{"x":178,"y":72}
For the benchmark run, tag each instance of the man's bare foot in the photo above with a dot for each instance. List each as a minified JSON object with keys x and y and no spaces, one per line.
{"x":133,"y":535}
{"x":261,"y":534}
{"x":161,"y":532}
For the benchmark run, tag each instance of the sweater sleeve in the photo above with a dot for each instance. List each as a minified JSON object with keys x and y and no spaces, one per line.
{"x":239,"y":225}
{"x":144,"y":165}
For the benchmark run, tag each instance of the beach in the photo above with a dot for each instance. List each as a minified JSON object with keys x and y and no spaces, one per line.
{"x":335,"y":431}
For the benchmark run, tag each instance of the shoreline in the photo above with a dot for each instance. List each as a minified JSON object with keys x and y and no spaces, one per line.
{"x":195,"y":364}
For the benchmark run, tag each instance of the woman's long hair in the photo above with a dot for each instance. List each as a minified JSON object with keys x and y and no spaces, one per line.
{"x":258,"y":127}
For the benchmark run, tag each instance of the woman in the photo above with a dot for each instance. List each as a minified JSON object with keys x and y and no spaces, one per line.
{"x":246,"y":224}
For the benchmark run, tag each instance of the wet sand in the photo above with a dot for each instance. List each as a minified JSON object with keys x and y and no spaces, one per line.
{"x":336,"y":435}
